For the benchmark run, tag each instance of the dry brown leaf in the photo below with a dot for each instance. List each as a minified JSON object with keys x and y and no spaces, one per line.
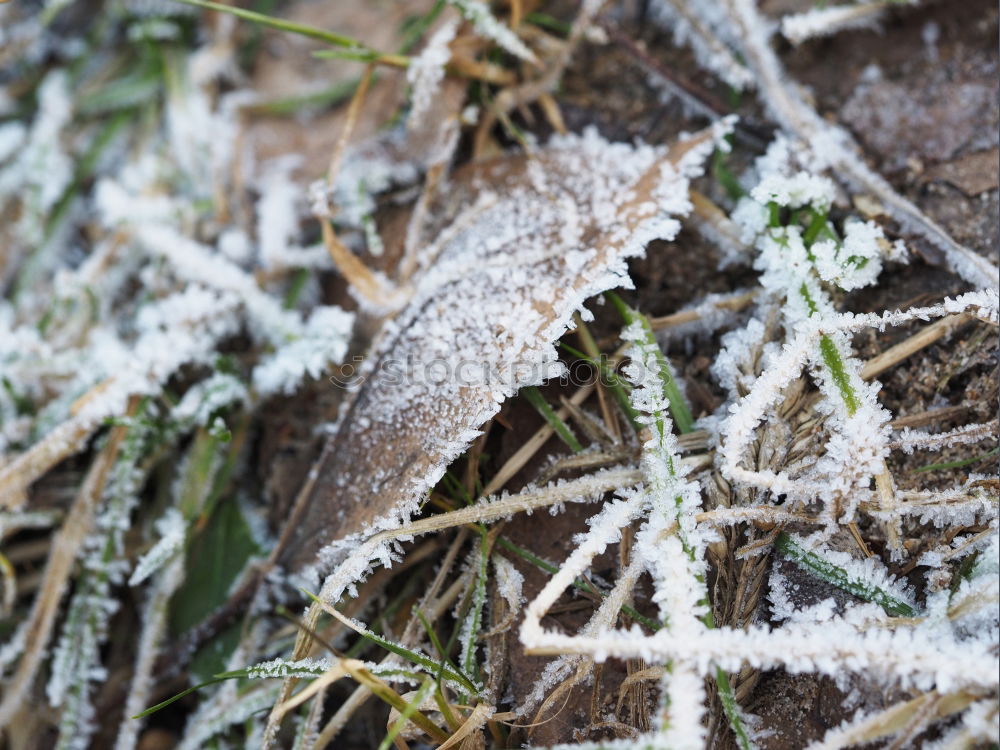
{"x":522,"y":243}
{"x":972,"y":174}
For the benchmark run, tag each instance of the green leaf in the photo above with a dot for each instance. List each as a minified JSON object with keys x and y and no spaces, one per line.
{"x":216,"y":556}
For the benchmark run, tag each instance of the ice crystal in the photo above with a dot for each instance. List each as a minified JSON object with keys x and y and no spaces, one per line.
{"x":323,"y":341}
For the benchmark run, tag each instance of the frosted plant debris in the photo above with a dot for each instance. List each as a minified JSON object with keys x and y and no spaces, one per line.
{"x":167,"y":213}
{"x":426,"y":71}
{"x":574,"y":212}
{"x":697,"y":25}
{"x":819,"y":22}
{"x":486,"y":24}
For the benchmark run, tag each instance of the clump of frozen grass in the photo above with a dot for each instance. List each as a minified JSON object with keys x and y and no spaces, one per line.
{"x":803,"y":253}
{"x":161,"y":291}
{"x":787,"y":216}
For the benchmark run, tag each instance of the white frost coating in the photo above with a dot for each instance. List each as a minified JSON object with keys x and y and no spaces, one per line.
{"x":172,"y":530}
{"x":509,"y":582}
{"x":833,"y":146}
{"x":910,"y":440}
{"x":854,"y":263}
{"x":669,"y":546}
{"x":793,"y":268}
{"x":750,"y":410}
{"x":201,"y":136}
{"x":202,"y":399}
{"x":485,"y":23}
{"x":277,"y":217}
{"x":323,"y":341}
{"x":694,"y":25}
{"x":482,"y":318}
{"x":42,"y":169}
{"x":12,"y":135}
{"x":917,"y":657}
{"x":426,"y":71}
{"x":795,"y":191}
{"x":817,"y":22}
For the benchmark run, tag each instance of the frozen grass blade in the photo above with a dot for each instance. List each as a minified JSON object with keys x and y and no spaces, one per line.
{"x":311,"y":32}
{"x":473,"y":622}
{"x":411,"y":708}
{"x":579,"y":583}
{"x":732,"y":710}
{"x":412,"y":656}
{"x":679,"y":410}
{"x":536,"y":399}
{"x":837,"y":576}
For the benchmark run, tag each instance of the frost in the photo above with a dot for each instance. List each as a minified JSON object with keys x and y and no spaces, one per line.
{"x":854,"y":263}
{"x":42,"y":169}
{"x":832,"y":146}
{"x":697,"y":25}
{"x":486,"y":24}
{"x":795,"y":191}
{"x":207,"y":397}
{"x":323,"y":341}
{"x":819,"y":22}
{"x":481,"y":320}
{"x":426,"y":70}
{"x":172,"y":530}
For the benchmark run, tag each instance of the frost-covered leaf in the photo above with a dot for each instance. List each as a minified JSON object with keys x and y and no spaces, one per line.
{"x":524,"y":241}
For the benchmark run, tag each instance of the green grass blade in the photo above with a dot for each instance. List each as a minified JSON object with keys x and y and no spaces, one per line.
{"x":330,"y":37}
{"x":732,"y":710}
{"x":408,"y":711}
{"x":679,"y":410}
{"x":620,"y":388}
{"x":960,"y":463}
{"x":435,"y":641}
{"x":837,"y":576}
{"x":412,"y":656}
{"x":536,"y":399}
{"x":182,"y":694}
